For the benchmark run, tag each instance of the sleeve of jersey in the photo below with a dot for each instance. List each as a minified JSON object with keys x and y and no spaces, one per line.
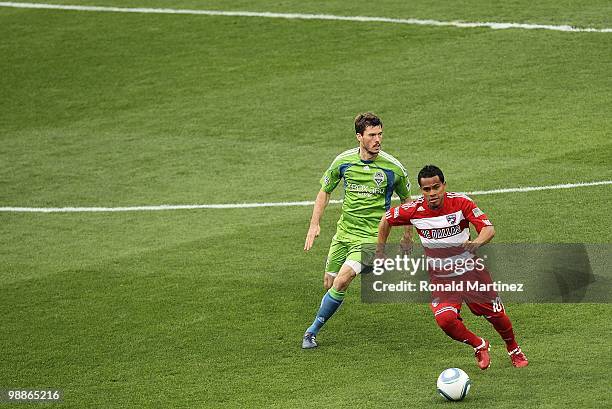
{"x":474,"y":215}
{"x":330,"y":178}
{"x":400,"y":215}
{"x":402,"y":187}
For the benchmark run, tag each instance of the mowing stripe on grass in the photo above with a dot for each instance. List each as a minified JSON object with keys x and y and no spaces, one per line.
{"x":270,"y":204}
{"x":300,"y":16}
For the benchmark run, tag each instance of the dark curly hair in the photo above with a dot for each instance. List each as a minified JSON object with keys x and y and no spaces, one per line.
{"x":430,"y":171}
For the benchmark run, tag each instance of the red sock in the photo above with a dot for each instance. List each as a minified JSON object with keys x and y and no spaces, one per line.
{"x":503,"y":326}
{"x":453,"y":327}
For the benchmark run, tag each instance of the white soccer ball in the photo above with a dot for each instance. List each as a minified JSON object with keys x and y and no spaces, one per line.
{"x":453,"y":384}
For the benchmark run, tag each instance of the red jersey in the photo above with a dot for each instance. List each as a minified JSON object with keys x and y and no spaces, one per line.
{"x":443,"y":230}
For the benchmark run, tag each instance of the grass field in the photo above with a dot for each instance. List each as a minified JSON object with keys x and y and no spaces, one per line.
{"x":206,"y":308}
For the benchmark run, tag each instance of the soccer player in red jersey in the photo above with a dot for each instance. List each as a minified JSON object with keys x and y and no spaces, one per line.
{"x":442,"y":221}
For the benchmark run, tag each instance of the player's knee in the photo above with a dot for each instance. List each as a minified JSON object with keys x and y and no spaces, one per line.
{"x":446,"y":320}
{"x":342,"y":282}
{"x":496,"y":316}
{"x":344,"y":278}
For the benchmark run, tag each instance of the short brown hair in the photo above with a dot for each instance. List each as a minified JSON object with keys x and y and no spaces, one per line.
{"x":362,"y":121}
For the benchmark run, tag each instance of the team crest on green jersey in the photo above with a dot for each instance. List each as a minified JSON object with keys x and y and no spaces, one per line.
{"x":379,"y":178}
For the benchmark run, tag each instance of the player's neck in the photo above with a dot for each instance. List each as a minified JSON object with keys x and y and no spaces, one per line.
{"x":365,"y":155}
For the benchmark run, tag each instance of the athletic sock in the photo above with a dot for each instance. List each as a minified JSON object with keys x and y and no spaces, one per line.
{"x":503,"y":326}
{"x":329,"y":304}
{"x":453,"y":327}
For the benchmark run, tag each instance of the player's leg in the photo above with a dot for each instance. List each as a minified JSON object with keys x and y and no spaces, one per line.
{"x":354,"y":263}
{"x":331,"y":299}
{"x":335,"y":295}
{"x":448,"y":318}
{"x":335,"y":258}
{"x":346,"y":275}
{"x":489,"y":305}
{"x":349,"y":270}
{"x":495,"y":312}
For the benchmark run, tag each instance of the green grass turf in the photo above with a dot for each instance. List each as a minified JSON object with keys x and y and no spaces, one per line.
{"x":592,"y":13}
{"x":128,"y":309}
{"x":131,"y":109}
{"x":206,"y":308}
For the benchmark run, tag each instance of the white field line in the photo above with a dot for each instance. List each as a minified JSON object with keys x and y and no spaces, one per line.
{"x":271,"y":204}
{"x":300,"y":16}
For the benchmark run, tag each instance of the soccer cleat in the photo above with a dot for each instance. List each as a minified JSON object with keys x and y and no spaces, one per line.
{"x":309,"y":341}
{"x":482,"y":355}
{"x":518,"y":358}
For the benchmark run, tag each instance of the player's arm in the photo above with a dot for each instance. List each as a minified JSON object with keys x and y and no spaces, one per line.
{"x":319,"y":207}
{"x":394,"y":217}
{"x":329,"y":181}
{"x":481,"y":222}
{"x":485,"y":235}
{"x":406,"y":240}
{"x":384,"y":228}
{"x":402,"y":188}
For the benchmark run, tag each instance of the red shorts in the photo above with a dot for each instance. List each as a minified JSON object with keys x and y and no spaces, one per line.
{"x":471,"y":288}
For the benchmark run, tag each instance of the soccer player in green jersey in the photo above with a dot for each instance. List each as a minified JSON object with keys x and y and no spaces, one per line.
{"x":370,"y":178}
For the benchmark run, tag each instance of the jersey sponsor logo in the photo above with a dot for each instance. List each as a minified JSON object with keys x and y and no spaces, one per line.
{"x":435,"y":234}
{"x":353,"y":187}
{"x":379,"y":178}
{"x":451,"y":218}
{"x":477,"y":212}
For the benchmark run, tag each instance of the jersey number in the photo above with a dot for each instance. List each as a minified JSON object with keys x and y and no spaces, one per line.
{"x":497,"y":305}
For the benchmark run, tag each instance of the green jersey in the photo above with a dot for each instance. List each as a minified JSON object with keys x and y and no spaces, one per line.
{"x":368,"y":187}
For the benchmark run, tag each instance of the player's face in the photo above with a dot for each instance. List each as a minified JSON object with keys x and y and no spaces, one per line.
{"x":371,"y":139}
{"x":433,"y":191}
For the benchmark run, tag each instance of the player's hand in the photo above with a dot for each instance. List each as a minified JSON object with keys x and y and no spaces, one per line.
{"x":313,"y":233}
{"x":380,"y":252}
{"x":328,"y":281}
{"x":406,"y":245}
{"x":471,"y":246}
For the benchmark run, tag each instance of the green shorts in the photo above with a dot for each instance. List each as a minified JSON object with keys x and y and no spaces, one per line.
{"x":346,"y":252}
